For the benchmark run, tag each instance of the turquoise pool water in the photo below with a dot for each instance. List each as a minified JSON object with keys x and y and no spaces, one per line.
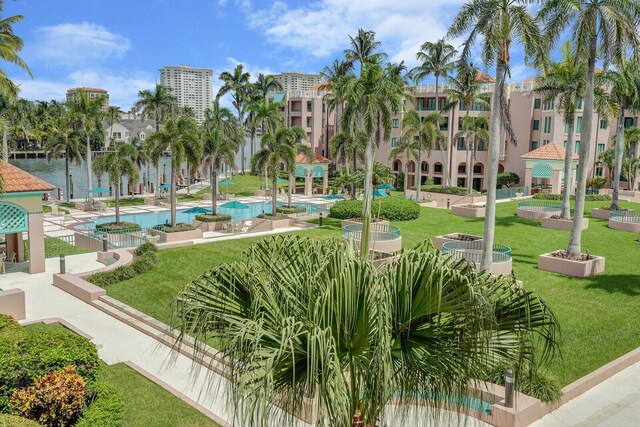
{"x":150,"y":219}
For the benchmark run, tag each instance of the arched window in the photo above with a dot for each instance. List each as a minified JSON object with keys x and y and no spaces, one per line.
{"x":142,"y":136}
{"x":424,"y":167}
{"x":462,"y":168}
{"x":478,"y":168}
{"x":397,"y":165}
{"x":437,"y":168}
{"x":412,"y":166}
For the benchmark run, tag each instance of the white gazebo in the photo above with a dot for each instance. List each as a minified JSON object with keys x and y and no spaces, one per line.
{"x":545,"y":166}
{"x":318,"y":168}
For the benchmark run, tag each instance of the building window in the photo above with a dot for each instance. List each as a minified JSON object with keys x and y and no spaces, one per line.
{"x":308,"y":122}
{"x":437,"y":168}
{"x":477,"y":168}
{"x":142,"y":136}
{"x":536,"y":104}
{"x":628,"y":122}
{"x":309,"y":106}
{"x":579,"y":126}
{"x":536,"y":125}
{"x":603,"y":124}
{"x":394,"y":142}
{"x":431,"y":104}
{"x":461,"y":144}
{"x":441,"y":103}
{"x":548,"y":105}
{"x":600,"y":148}
{"x":396,"y":123}
{"x":424,"y":167}
{"x":534,"y":145}
{"x":117,"y":135}
{"x":545,"y":141}
{"x":480,"y":146}
{"x":577,"y":147}
{"x":437,"y":180}
{"x":598,"y":171}
{"x":579,"y":104}
{"x":462,"y":168}
{"x":460,"y":127}
{"x":547,"y":125}
{"x":419,"y":104}
{"x":445,"y":124}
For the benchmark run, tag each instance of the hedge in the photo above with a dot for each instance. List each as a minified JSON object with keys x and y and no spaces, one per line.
{"x":181,"y":226}
{"x":146,"y":259}
{"x":105,"y":407}
{"x":122,"y":226}
{"x":10,"y":331}
{"x":290,"y":210}
{"x":40,"y":352}
{"x":460,"y":191}
{"x":587,"y":197}
{"x":213,"y":218}
{"x":389,"y":208}
{"x":13,"y":421}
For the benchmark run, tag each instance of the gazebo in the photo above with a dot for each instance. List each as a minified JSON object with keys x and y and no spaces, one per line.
{"x":318,"y":168}
{"x":545,"y":166}
{"x":21,"y":212}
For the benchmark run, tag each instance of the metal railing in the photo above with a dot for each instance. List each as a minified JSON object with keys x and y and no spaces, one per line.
{"x":472,"y":251}
{"x":509,"y":193}
{"x":540,"y":205}
{"x":629,"y":216}
{"x":377,"y":232}
{"x":59,"y":245}
{"x":120,"y":239}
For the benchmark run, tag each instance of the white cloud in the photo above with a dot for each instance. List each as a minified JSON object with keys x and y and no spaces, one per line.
{"x":76,"y":44}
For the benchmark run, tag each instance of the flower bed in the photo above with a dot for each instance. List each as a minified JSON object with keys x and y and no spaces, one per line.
{"x":538,"y":209}
{"x":122,"y":226}
{"x":209,"y":222}
{"x":555,"y":222}
{"x":469,"y":211}
{"x":559,"y":262}
{"x":178,"y":233}
{"x":290,"y":210}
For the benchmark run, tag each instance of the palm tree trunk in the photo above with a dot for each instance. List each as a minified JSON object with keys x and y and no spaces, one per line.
{"x":117,"y":184}
{"x":366,"y":203}
{"x":617,"y":170}
{"x":89,"y":166}
{"x":495,"y":127}
{"x":158,"y":179}
{"x":419,"y":174}
{"x":214,"y":189}
{"x":445,"y":166}
{"x":290,"y":191}
{"x":244,"y":136}
{"x":574,"y":249}
{"x":568,"y":169}
{"x":470,"y":149}
{"x":355,"y":168}
{"x":5,"y":144}
{"x":173,"y":195}
{"x":66,"y":175}
{"x":274,"y":194}
{"x":405,"y":184}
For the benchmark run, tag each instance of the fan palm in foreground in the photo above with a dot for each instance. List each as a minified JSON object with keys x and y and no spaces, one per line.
{"x":302,"y":318}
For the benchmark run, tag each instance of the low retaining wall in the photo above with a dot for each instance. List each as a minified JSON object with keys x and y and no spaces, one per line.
{"x":600,"y":213}
{"x":441,"y":198}
{"x":562,"y":224}
{"x":209,"y":226}
{"x":468,"y":212}
{"x":633,"y":227}
{"x":535,"y":215}
{"x":264,"y":224}
{"x":12,"y":303}
{"x":178,"y":236}
{"x":568,"y":267}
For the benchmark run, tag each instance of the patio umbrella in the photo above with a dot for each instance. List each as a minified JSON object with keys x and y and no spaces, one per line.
{"x":385,"y":187}
{"x":379,"y":193}
{"x":196,"y":210}
{"x":234,"y":205}
{"x":226,"y":182}
{"x":99,"y":190}
{"x":333,"y":196}
{"x":165,"y":186}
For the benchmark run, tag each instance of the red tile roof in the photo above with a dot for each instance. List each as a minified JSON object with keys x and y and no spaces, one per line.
{"x":87,"y":89}
{"x":16,"y":180}
{"x":548,"y":152}
{"x":322,"y":86}
{"x":301,"y":158}
{"x":484,"y":78}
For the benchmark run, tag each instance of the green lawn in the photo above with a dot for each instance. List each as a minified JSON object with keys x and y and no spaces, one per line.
{"x":148,"y":404}
{"x":598,"y":315}
{"x":243,"y":185}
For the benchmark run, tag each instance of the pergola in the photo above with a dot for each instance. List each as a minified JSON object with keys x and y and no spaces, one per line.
{"x":318,"y":168}
{"x":545,"y":165}
{"x":21,"y":212}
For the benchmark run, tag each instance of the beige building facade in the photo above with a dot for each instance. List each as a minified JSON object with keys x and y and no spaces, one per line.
{"x":192,"y":87}
{"x":92,"y":93}
{"x":297,"y":81}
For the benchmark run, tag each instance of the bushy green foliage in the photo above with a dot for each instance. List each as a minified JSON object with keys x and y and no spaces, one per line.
{"x":597,"y":182}
{"x":533,"y":383}
{"x":112,"y":226}
{"x":507,"y":179}
{"x":440,"y":189}
{"x":105,"y":407}
{"x":14,"y":421}
{"x":181,"y":226}
{"x":213,"y":218}
{"x":587,"y":198}
{"x":146,"y":259}
{"x":290,"y":210}
{"x":55,"y":400}
{"x":10,"y":330}
{"x":39,"y":353}
{"x":389,"y":208}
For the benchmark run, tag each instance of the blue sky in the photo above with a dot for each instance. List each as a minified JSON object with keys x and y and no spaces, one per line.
{"x":120,"y":45}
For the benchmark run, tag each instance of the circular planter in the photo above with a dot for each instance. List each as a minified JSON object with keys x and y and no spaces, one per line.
{"x":472,"y":252}
{"x":451,"y":237}
{"x":152,"y":238}
{"x":538,"y":209}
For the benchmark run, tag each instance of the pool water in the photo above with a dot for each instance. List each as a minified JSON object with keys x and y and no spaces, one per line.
{"x":151,"y":219}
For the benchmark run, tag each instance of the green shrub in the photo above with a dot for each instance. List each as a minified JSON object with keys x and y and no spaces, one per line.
{"x":146,"y":259}
{"x":213,"y":218}
{"x":597,"y":182}
{"x":10,"y":331}
{"x":39,"y":353}
{"x":290,"y":210}
{"x":55,"y":400}
{"x":181,"y":226}
{"x":389,"y":208}
{"x":532,"y":383}
{"x":273,"y":217}
{"x":14,"y":421}
{"x":145,"y":248}
{"x":507,"y":179}
{"x":440,"y":189}
{"x":122,"y":226}
{"x":105,"y":407}
{"x":547,"y":196}
{"x":587,"y":197}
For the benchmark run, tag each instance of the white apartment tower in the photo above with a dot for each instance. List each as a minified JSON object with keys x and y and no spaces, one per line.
{"x":192,"y":87}
{"x":297,"y":81}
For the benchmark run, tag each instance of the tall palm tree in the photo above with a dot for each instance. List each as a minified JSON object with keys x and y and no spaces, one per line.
{"x":221,"y":137}
{"x":113,"y":117}
{"x":180,"y":137}
{"x":119,"y":161}
{"x":474,"y":131}
{"x":500,"y":23}
{"x":278,"y":148}
{"x":565,"y":83}
{"x":628,"y":164}
{"x":613,"y":24}
{"x":624,"y":83}
{"x":265,"y":84}
{"x":61,"y":141}
{"x":426,"y":132}
{"x":371,"y":100}
{"x":305,"y":317}
{"x":363,"y":48}
{"x":408,"y":147}
{"x":237,"y":84}
{"x":331,"y":75}
{"x":88,"y":113}
{"x":157,"y":104}
{"x":464,"y":92}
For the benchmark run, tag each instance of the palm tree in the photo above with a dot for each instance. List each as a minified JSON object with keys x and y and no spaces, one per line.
{"x":624,"y":86}
{"x":363,"y":49}
{"x":237,"y":84}
{"x":180,"y":137}
{"x":371,"y":100}
{"x":332,"y":75}
{"x":119,"y":161}
{"x":565,"y":82}
{"x":607,"y":158}
{"x":408,"y":147}
{"x":304,"y":317}
{"x":499,"y":23}
{"x":474,"y":131}
{"x":61,"y":141}
{"x":221,"y":136}
{"x":612,"y":23}
{"x":628,"y":164}
{"x":157,"y":104}
{"x":88,"y":113}
{"x":265,"y":84}
{"x":257,"y":100}
{"x":426,"y":132}
{"x":280,"y":147}
{"x":113,"y":117}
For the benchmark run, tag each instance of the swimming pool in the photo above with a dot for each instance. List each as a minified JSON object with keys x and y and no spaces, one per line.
{"x":151,"y":219}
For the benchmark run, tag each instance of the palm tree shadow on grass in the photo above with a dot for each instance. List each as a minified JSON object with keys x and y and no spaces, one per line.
{"x":511,"y":220}
{"x":627,"y":284}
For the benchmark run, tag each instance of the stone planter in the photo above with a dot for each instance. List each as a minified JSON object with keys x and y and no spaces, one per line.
{"x":153,"y":201}
{"x":264,"y":224}
{"x":600,"y":213}
{"x":85,"y":207}
{"x":12,"y":303}
{"x":568,"y":267}
{"x":355,"y":221}
{"x":178,"y":236}
{"x":440,"y":240}
{"x":535,"y":215}
{"x":501,"y":268}
{"x":468,"y":212}
{"x":152,"y":238}
{"x":632,"y":227}
{"x":562,"y":224}
{"x":209,"y":226}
